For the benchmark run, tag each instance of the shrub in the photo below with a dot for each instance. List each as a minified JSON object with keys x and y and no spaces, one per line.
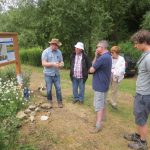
{"x":31,"y":56}
{"x":128,"y":48}
{"x":8,"y":132}
{"x":24,"y":56}
{"x":8,"y":72}
{"x":66,"y":64}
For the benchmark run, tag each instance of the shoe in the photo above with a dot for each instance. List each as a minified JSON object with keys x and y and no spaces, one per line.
{"x":138,"y":145}
{"x":114,"y":106}
{"x":74,"y":101}
{"x":96,"y":130}
{"x":51,"y":104}
{"x":60,"y":105}
{"x":81,"y":102}
{"x":132,"y":137}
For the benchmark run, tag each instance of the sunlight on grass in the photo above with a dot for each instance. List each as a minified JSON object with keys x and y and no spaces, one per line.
{"x":33,"y":69}
{"x":128,"y":85}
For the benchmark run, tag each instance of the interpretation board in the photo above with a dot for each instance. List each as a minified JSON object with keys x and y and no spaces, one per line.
{"x":9,"y":52}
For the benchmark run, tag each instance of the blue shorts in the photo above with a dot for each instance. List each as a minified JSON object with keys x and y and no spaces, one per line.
{"x":141,"y":109}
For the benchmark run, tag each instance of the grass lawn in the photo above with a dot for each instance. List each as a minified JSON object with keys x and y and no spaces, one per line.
{"x":68,"y":128}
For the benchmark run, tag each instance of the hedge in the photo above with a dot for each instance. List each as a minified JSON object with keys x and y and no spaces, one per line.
{"x":31,"y":56}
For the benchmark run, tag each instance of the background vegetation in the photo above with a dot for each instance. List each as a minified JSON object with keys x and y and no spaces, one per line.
{"x":11,"y":101}
{"x":37,"y":21}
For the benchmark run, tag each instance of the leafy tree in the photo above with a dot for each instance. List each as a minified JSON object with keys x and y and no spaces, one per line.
{"x":135,"y":14}
{"x":99,"y":23}
{"x":21,"y":20}
{"x":117,"y":11}
{"x":37,"y":21}
{"x":146,"y":22}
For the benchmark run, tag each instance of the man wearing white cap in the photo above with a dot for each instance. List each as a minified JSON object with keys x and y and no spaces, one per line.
{"x":52,"y":61}
{"x":80,"y":65}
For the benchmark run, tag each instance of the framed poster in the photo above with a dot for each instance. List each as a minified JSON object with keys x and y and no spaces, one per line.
{"x":9,"y":51}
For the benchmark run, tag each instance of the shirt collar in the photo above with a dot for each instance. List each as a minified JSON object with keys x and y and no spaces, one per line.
{"x":53,"y":50}
{"x":79,"y":54}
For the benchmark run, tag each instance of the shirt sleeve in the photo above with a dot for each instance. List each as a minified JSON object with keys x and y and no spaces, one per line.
{"x":98,"y":64}
{"x":148,"y":64}
{"x":121,"y":66}
{"x":44,"y":56}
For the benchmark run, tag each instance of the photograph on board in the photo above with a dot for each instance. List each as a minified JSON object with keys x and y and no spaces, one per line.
{"x":7,"y":52}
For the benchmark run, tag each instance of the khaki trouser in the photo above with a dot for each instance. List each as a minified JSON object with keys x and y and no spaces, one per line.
{"x":114,"y":92}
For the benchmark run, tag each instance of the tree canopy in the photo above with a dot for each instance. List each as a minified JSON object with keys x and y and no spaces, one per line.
{"x":37,"y":21}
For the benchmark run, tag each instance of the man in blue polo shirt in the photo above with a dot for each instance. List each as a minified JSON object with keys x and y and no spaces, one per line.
{"x":101,"y":79}
{"x":52,"y":61}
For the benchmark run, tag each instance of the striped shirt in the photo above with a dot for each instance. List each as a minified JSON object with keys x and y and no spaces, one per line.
{"x":78,"y":66}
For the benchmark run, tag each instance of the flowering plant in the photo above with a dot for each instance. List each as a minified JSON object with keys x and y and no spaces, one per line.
{"x":11,"y":97}
{"x":11,"y":101}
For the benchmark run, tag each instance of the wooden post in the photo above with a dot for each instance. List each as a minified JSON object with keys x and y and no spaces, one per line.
{"x":16,"y":48}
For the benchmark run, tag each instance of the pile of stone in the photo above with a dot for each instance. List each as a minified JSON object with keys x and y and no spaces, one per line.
{"x":30,"y":113}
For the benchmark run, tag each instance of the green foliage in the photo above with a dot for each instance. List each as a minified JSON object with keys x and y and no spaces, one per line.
{"x":71,"y":21}
{"x":22,"y":20}
{"x":128,"y":48}
{"x":11,"y":101}
{"x":66,"y":64}
{"x":134,"y":15}
{"x":8,"y":132}
{"x":26,"y":75}
{"x":24,"y":56}
{"x":7,"y":73}
{"x":146,"y":22}
{"x":27,"y":38}
{"x":117,"y":11}
{"x":31,"y":56}
{"x":11,"y":95}
{"x":26,"y":147}
{"x":11,"y":98}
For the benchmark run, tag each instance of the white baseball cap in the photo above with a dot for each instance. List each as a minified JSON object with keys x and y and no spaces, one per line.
{"x":79,"y":45}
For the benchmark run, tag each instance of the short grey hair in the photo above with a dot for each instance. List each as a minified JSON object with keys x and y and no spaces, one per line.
{"x":103,"y":43}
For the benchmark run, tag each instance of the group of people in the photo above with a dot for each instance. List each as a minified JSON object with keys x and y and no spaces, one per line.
{"x":108,"y":69}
